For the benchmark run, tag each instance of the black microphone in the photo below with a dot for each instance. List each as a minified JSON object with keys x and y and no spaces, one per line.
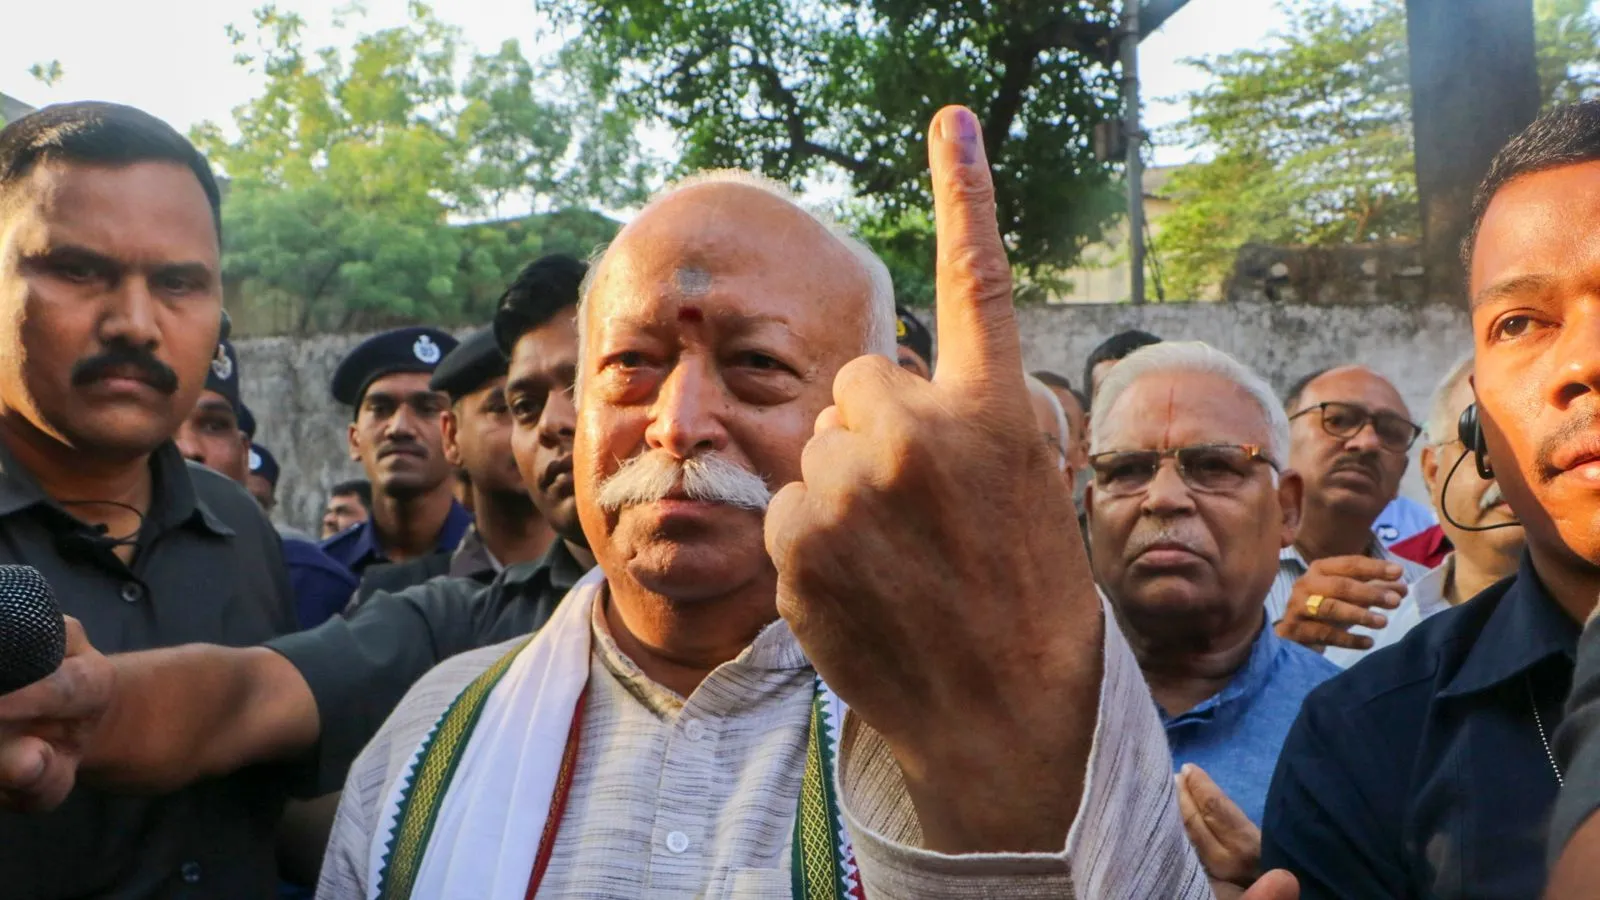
{"x":33,"y":635}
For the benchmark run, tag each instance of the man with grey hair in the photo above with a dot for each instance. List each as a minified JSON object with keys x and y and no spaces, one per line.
{"x":1189,"y":505}
{"x":1478,"y":538}
{"x":664,"y":733}
{"x":1052,"y":421}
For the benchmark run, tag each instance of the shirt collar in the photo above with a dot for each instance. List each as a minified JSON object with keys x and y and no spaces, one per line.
{"x":472,"y":557}
{"x":1526,"y":628}
{"x":173,"y":499}
{"x":1245,"y":683}
{"x":1427,"y":592}
{"x":367,"y":548}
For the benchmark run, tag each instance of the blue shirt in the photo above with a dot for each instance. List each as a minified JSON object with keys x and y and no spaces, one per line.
{"x":1236,"y":734}
{"x":1401,"y":519}
{"x":322,"y":587}
{"x":1419,"y":772}
{"x":357,"y":547}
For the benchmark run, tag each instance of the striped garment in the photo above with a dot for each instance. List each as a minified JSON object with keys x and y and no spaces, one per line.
{"x":696,"y":798}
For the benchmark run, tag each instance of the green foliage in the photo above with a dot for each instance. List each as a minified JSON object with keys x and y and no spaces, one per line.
{"x":801,"y":88}
{"x":1310,"y":137}
{"x":353,"y":170}
{"x":48,"y":74}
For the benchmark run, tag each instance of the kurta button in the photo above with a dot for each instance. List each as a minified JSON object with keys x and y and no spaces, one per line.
{"x":677,"y":842}
{"x":190,"y":872}
{"x":694,"y":731}
{"x":132,"y":592}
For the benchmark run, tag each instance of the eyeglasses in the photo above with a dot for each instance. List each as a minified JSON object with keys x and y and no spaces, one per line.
{"x":1345,"y":420}
{"x":1060,"y":451}
{"x":1206,"y":468}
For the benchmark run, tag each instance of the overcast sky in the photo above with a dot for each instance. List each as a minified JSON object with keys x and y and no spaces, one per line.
{"x":173,"y":59}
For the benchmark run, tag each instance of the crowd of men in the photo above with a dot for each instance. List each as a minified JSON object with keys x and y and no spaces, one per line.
{"x":704,"y":570}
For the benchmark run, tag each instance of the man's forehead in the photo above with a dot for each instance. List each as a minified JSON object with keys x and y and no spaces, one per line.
{"x":545,"y":348}
{"x":1353,"y":384}
{"x":1175,"y":409}
{"x":400,"y":386}
{"x":146,"y":212}
{"x":1536,"y":227}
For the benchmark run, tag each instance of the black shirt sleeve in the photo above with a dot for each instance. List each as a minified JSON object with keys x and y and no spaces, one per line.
{"x":1578,"y":745}
{"x":1325,"y":818}
{"x":359,"y":668}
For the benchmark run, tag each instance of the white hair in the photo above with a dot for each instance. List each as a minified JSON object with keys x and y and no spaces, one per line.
{"x":1442,"y":415}
{"x":879,"y":339}
{"x":1063,"y":433}
{"x":1194,"y":357}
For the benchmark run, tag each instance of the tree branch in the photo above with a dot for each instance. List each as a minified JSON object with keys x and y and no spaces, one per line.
{"x":774,"y":91}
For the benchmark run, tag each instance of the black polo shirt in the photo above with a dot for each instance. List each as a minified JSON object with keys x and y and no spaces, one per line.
{"x":1419,"y":772}
{"x":360,"y":667}
{"x":208,"y":568}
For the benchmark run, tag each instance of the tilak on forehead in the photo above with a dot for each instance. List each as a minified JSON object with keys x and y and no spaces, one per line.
{"x":691,"y":282}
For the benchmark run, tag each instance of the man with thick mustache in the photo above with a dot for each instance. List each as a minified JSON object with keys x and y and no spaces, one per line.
{"x":110,"y":313}
{"x":1479,"y":538}
{"x":1426,"y":770}
{"x":397,"y":437}
{"x":978,"y":668}
{"x":1189,"y":505}
{"x":1350,"y":432}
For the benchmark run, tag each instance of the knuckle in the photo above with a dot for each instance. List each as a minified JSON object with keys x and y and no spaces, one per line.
{"x":981,"y":264}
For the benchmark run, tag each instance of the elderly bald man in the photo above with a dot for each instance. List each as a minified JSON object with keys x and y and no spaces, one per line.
{"x":711,"y":348}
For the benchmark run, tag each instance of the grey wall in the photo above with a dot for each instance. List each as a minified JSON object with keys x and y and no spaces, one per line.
{"x":286,"y":380}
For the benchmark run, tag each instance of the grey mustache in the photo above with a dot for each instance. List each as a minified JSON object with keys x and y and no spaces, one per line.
{"x":1490,"y":497}
{"x":709,"y":478}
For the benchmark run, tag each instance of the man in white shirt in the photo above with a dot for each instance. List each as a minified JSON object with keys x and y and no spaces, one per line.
{"x":665,"y":734}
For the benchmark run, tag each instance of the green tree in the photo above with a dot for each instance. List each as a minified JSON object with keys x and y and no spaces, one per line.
{"x":1309,"y":138}
{"x":353,"y":172}
{"x":803,"y":88}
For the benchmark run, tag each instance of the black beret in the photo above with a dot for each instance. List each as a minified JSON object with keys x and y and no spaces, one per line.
{"x":910,"y":332}
{"x":414,"y":349}
{"x":247,"y":421}
{"x":223,"y":376}
{"x":262,"y":463}
{"x":472,"y":364}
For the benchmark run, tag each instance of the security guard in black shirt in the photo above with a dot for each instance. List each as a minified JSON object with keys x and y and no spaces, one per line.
{"x":110,"y":283}
{"x":477,"y":439}
{"x":315,"y":698}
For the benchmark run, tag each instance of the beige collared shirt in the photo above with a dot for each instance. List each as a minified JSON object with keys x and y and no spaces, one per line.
{"x":695,"y":797}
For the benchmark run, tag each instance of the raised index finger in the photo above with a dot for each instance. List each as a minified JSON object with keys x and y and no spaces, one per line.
{"x":977,"y":340}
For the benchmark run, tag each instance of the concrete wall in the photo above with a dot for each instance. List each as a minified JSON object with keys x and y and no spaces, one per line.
{"x":286,"y":380}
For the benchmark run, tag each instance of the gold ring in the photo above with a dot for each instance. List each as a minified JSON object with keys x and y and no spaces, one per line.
{"x":1313,"y":604}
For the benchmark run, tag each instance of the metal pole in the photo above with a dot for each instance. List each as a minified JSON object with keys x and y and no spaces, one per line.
{"x":1135,"y":167}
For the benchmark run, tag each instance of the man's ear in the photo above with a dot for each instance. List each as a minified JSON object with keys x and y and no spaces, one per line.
{"x":448,"y":428}
{"x":353,"y":439}
{"x":1291,"y":493}
{"x":1430,"y":467}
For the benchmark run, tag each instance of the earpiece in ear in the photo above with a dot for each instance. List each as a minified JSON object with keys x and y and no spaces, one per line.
{"x":1470,"y":432}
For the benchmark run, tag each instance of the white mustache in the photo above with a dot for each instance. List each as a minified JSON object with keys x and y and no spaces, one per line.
{"x":709,"y":478}
{"x":1490,"y":497}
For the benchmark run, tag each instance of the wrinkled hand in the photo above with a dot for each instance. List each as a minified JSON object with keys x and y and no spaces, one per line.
{"x":930,"y":561}
{"x":46,"y":726}
{"x":1228,"y":843}
{"x":1351,"y":586}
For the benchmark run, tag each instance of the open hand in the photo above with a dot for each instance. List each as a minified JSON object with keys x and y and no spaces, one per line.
{"x":930,"y":562}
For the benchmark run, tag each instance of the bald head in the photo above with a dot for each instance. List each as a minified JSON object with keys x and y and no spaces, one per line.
{"x":1349,"y":438}
{"x":713,"y":326}
{"x":719,"y":227}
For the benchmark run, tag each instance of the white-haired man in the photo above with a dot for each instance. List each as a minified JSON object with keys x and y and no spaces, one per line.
{"x":1189,"y":504}
{"x":663,"y":734}
{"x":1052,"y":421}
{"x":1477,"y":532}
